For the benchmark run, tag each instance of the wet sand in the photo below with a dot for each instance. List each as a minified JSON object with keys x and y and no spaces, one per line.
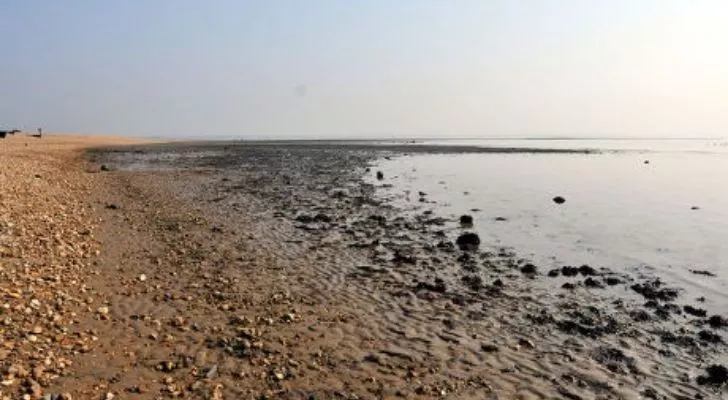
{"x":276,"y":271}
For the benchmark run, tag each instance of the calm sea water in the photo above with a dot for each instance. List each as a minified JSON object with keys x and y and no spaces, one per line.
{"x":619,"y":213}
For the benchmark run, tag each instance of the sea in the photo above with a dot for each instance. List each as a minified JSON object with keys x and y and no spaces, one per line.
{"x":650,"y":208}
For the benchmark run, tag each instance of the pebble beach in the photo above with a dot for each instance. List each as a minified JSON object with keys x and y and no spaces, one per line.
{"x":279,"y":270}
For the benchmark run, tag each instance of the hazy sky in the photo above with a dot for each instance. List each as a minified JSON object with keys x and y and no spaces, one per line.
{"x":369,"y":68}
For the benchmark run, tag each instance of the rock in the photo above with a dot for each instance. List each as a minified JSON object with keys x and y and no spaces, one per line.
{"x":652,"y":290}
{"x":554,"y":273}
{"x":710,"y":337}
{"x":717,"y":375}
{"x":489,"y":348}
{"x":695,"y":208}
{"x":568,"y":286}
{"x":593,"y":283}
{"x":142,"y":278}
{"x":611,"y":280}
{"x":501,"y":219}
{"x":466,"y":220}
{"x":320,"y":217}
{"x":498,"y":283}
{"x":529,"y":269}
{"x":526,"y":343}
{"x":400,"y":258}
{"x":103,"y":310}
{"x":646,"y":161}
{"x":569,"y":271}
{"x":559,"y":200}
{"x":439,"y":286}
{"x":112,"y":206}
{"x":698,"y":312}
{"x":473,"y":282}
{"x":702,"y":272}
{"x":211,"y":372}
{"x":468,"y":241}
{"x":586,"y":270}
{"x":717,"y":321}
{"x":380,"y":175}
{"x":105,"y":168}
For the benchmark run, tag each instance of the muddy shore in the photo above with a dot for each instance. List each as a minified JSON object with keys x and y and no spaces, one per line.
{"x":277,"y":271}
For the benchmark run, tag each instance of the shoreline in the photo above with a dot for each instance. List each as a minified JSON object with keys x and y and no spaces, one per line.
{"x":276,"y":271}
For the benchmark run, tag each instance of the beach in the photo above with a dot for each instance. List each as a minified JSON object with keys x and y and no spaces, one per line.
{"x":286,"y":270}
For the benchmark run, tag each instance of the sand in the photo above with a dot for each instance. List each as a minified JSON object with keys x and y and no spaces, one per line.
{"x":274,"y":272}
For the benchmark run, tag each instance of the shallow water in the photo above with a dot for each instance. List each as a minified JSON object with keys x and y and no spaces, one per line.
{"x":619,"y":213}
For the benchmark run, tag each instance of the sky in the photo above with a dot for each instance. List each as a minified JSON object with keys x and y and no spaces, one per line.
{"x":366,"y":69}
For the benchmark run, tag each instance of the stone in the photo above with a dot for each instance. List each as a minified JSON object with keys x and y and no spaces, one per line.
{"x":380,"y":175}
{"x":466,"y":219}
{"x":468,"y":241}
{"x":559,"y":200}
{"x":593,"y":283}
{"x":717,"y":375}
{"x":586,"y":270}
{"x":698,"y":312}
{"x":611,"y":280}
{"x":489,"y":348}
{"x":529,"y":269}
{"x":142,"y":278}
{"x":717,"y":321}
{"x":526,"y":343}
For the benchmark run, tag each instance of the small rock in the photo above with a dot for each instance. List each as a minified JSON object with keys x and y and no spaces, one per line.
{"x":717,"y":375}
{"x":212,"y":372}
{"x":702,"y":272}
{"x":569,"y":286}
{"x":710,"y":337}
{"x":380,"y":175}
{"x":646,"y":161}
{"x":586,"y":270}
{"x":528,"y":269}
{"x":717,"y":321}
{"x":489,"y":348}
{"x":554,"y":273}
{"x":559,"y":200}
{"x":103,"y":310}
{"x":695,"y":208}
{"x":593,"y":283}
{"x":104,"y":167}
{"x":698,"y":312}
{"x":501,"y":219}
{"x":611,"y":280}
{"x":142,"y":278}
{"x":468,"y":241}
{"x":526,"y":343}
{"x":466,"y":220}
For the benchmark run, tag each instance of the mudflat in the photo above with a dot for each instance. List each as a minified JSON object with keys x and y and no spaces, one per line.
{"x":274,"y":270}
